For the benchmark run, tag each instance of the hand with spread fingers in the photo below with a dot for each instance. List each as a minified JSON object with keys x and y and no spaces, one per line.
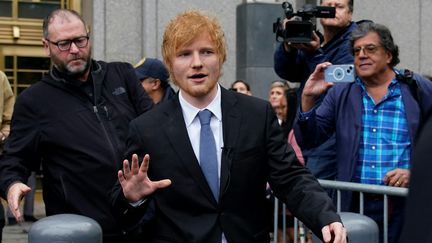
{"x":397,"y":178}
{"x":134,"y":180}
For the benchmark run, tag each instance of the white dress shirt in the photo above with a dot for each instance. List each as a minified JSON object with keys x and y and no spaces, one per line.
{"x":193,"y":126}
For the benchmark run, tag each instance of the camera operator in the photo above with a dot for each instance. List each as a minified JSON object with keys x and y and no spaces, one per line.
{"x":295,"y":62}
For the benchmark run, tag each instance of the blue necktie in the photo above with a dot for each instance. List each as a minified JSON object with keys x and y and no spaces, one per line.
{"x":208,"y":157}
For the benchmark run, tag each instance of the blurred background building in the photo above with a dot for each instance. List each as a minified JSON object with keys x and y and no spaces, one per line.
{"x":129,"y":30}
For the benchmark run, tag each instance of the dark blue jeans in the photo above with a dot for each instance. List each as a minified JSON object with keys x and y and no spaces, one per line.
{"x":374,"y":208}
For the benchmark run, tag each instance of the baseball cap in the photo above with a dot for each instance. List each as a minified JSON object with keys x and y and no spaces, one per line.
{"x":153,"y":68}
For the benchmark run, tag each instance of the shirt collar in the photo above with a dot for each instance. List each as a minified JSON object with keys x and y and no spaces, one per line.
{"x":190,"y":111}
{"x":392,"y":84}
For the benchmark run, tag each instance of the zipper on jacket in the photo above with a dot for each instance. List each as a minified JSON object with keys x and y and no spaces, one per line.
{"x":95,"y":110}
{"x":106,"y":113}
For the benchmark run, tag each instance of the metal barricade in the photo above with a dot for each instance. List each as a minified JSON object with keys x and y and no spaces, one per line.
{"x":348,"y":186}
{"x":359,"y":228}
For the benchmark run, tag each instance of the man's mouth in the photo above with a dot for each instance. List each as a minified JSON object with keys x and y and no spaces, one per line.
{"x":365,"y":64}
{"x":198,"y":76}
{"x":76,"y":60}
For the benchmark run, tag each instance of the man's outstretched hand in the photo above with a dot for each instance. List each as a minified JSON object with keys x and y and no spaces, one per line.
{"x":134,"y":180}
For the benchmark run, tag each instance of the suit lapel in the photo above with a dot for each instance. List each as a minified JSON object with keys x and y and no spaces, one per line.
{"x":178,"y":137}
{"x":231,"y":119}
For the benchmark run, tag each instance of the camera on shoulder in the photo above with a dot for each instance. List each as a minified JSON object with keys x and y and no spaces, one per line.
{"x":300,"y":30}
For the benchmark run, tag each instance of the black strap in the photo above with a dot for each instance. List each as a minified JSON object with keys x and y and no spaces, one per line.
{"x":407,"y":77}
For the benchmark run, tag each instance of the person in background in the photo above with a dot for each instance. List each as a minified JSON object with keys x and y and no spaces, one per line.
{"x":74,"y":122}
{"x":241,"y":86}
{"x":376,"y":119}
{"x":276,"y":93}
{"x":154,"y":78}
{"x":7,"y":101}
{"x":295,"y":62}
{"x":218,"y":150}
{"x":289,"y":102}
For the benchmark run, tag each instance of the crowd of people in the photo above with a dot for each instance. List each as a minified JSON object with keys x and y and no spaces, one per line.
{"x":152,"y":164}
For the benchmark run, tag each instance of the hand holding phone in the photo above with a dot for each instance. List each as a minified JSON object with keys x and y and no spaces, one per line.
{"x":344,"y":73}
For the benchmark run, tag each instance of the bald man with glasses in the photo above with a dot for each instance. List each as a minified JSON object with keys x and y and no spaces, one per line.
{"x":74,"y":122}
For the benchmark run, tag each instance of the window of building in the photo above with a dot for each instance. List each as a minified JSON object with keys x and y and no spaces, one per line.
{"x":5,"y":8}
{"x":23,"y":71}
{"x":29,"y":9}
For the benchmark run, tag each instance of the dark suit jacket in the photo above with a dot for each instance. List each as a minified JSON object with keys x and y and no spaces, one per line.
{"x":418,"y":221}
{"x":254,"y":152}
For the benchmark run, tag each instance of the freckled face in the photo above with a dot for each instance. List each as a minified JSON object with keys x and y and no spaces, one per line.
{"x":196,"y":68}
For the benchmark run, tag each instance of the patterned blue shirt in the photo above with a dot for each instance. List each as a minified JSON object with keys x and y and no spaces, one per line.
{"x":385,"y":142}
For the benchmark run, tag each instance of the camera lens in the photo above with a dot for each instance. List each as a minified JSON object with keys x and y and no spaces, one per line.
{"x":339,"y":73}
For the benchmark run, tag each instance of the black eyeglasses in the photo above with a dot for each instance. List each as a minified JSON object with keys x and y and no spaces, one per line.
{"x":367,"y":49}
{"x":65,"y":45}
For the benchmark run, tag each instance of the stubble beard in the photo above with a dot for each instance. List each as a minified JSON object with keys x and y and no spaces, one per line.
{"x":75,"y":71}
{"x":79,"y":70}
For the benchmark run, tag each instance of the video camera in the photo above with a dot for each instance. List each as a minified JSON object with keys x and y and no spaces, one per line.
{"x":300,"y":31}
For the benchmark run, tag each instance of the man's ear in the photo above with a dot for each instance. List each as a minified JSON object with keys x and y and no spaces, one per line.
{"x":46,"y":47}
{"x":389,"y":57}
{"x":157,"y":84}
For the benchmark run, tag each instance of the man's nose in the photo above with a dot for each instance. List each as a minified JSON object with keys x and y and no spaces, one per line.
{"x":73,"y":48}
{"x":196,"y":60}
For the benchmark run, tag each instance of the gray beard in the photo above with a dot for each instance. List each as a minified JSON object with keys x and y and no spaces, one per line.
{"x":74,"y":73}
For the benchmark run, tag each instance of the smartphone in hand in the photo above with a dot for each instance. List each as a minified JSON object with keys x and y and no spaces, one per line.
{"x":344,"y":73}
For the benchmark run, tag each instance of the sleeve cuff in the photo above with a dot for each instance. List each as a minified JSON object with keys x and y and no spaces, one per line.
{"x":138,"y":203}
{"x":304,"y":116}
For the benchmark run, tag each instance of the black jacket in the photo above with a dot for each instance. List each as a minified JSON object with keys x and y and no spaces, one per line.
{"x":418,"y":217}
{"x":78,"y":139}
